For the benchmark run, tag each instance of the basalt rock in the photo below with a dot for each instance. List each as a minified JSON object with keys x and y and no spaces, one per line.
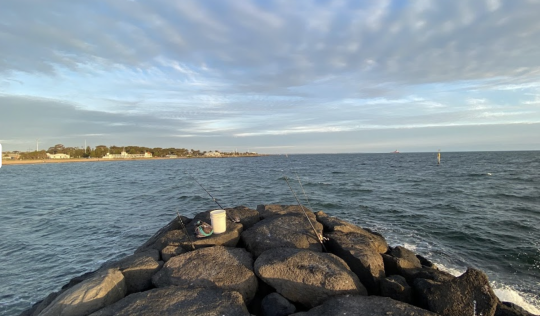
{"x":170,"y":251}
{"x":468,"y":294}
{"x":334,"y":224}
{"x":100,"y":290}
{"x":291,"y":231}
{"x":396,"y":287}
{"x":307,"y":277}
{"x":247,"y":217}
{"x":510,"y":309}
{"x":365,"y":306}
{"x":276,"y":305}
{"x":138,"y":270}
{"x":171,"y":301}
{"x":219,"y":267}
{"x":153,"y":242}
{"x":362,"y":257}
{"x":272,"y":210}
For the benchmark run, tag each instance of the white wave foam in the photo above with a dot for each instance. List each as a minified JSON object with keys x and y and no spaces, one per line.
{"x":411,"y":247}
{"x":507,"y":294}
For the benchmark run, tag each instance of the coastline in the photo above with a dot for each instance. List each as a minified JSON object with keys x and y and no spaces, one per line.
{"x":54,"y":161}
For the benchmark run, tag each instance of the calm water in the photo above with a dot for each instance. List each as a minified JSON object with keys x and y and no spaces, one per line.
{"x":482,"y":210}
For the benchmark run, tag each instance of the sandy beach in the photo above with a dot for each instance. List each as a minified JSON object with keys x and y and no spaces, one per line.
{"x":46,"y":161}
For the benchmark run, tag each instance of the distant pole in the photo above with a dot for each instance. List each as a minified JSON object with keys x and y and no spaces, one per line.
{"x":37,"y":144}
{"x":439,"y":157}
{"x":85,"y":146}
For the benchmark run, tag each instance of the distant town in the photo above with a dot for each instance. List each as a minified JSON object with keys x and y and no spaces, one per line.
{"x":59,"y":151}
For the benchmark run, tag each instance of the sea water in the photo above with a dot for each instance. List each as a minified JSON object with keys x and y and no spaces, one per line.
{"x":478,"y":209}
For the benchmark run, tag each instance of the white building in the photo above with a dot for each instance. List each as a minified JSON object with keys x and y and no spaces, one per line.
{"x":125,"y":155}
{"x":212,"y":154}
{"x":58,"y":156}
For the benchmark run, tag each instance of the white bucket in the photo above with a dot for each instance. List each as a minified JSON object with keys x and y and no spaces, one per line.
{"x":219,"y":222}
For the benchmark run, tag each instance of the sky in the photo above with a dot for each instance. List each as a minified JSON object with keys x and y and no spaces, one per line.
{"x":271,"y":76}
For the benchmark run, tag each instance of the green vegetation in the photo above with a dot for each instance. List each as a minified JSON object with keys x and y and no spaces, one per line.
{"x":101,"y":150}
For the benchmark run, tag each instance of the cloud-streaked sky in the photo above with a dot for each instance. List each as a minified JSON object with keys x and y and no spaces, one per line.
{"x":271,"y":76}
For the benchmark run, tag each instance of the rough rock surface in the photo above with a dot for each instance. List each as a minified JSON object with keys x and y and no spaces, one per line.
{"x":362,"y":257}
{"x":100,"y":290}
{"x":248,"y":217}
{"x":170,"y":251}
{"x":396,"y":287}
{"x":272,"y":210}
{"x":172,"y":225}
{"x":276,"y":305}
{"x":212,"y":267}
{"x":459,"y":296}
{"x":365,"y":306}
{"x":172,"y":300}
{"x":138,"y":270}
{"x":334,"y":224}
{"x":305,"y":276}
{"x":282,"y":232}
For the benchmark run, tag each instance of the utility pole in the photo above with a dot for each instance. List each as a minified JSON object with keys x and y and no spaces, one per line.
{"x":85,"y":146}
{"x":37,"y":144}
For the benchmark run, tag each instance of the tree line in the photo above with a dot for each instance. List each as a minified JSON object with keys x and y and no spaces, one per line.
{"x":101,"y":150}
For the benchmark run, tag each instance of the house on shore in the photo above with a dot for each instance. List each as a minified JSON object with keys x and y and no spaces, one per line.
{"x":125,"y":155}
{"x":57,"y":156}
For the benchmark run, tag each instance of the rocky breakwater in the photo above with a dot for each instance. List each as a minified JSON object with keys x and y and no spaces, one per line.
{"x":272,"y":263}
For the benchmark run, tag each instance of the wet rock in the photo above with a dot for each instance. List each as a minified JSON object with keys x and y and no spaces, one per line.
{"x":334,"y":224}
{"x":282,"y":232}
{"x":152,"y":242}
{"x":459,"y":296}
{"x":173,"y":300}
{"x":276,"y":305}
{"x":248,"y":217}
{"x":362,"y":257}
{"x":305,"y":276}
{"x":396,"y":287}
{"x":100,"y":290}
{"x":365,"y":306}
{"x":138,"y":270}
{"x":212,"y":267}
{"x":510,"y":309}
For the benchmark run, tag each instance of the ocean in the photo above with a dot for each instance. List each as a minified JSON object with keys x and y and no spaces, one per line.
{"x":477,"y":209}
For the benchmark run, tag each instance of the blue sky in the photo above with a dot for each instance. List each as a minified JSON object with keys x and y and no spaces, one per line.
{"x":271,"y":76}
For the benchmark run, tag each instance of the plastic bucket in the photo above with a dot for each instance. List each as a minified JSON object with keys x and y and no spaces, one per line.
{"x":219,"y":222}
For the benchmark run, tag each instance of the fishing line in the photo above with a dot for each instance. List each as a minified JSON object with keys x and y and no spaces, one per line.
{"x":300,"y":182}
{"x":185,"y":230}
{"x":319,"y":238}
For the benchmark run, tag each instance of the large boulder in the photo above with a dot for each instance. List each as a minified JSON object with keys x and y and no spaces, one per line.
{"x":274,"y":304}
{"x":272,"y":210}
{"x":365,"y":306}
{"x":170,"y":251}
{"x":247,"y":217}
{"x":334,"y":224}
{"x":510,"y":309}
{"x":153,"y":242}
{"x":98,"y":291}
{"x":171,"y":301}
{"x":360,"y":254}
{"x":396,"y":287}
{"x":305,"y":276}
{"x":282,"y":232}
{"x":459,"y":296}
{"x":212,"y":267}
{"x":138,"y":269}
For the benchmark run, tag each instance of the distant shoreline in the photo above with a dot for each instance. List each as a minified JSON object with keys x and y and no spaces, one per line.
{"x":54,"y":161}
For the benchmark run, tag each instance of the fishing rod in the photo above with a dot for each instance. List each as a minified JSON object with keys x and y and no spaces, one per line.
{"x":319,"y":237}
{"x":185,"y":230}
{"x":299,"y":182}
{"x":234,"y":220}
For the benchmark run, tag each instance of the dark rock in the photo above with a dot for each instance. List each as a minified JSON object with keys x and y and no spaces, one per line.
{"x":248,"y":217}
{"x":510,"y":309}
{"x":219,"y":267}
{"x":138,"y":270}
{"x":365,"y":306}
{"x":273,"y":210}
{"x":406,"y":258}
{"x":282,"y":232}
{"x":171,"y":251}
{"x":425,"y":262}
{"x":334,"y":224}
{"x":171,"y":301}
{"x":276,"y":305}
{"x":396,"y":287}
{"x":459,"y":296}
{"x":102,"y":289}
{"x":172,"y":225}
{"x":362,"y":257}
{"x":427,"y":273}
{"x":305,"y":276}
